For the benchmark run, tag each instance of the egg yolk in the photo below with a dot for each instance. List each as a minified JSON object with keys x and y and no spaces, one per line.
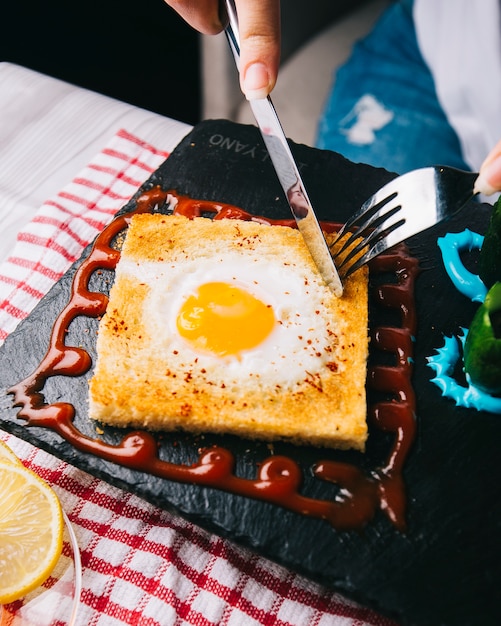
{"x":224,"y":319}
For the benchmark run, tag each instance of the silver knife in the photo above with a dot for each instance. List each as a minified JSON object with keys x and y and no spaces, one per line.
{"x":287,"y":170}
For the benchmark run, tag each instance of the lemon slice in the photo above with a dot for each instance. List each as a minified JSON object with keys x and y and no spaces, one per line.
{"x":31,"y":531}
{"x":6,"y":453}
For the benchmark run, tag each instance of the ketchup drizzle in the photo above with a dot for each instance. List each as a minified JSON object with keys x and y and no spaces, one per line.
{"x":279,"y":478}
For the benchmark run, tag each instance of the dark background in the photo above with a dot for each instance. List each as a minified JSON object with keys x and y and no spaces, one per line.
{"x":138,"y":51}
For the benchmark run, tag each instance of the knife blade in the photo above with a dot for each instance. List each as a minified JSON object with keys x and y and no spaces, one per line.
{"x":287,"y":170}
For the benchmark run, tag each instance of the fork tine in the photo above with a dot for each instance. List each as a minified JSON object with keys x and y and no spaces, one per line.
{"x":388,"y":191}
{"x":379,"y":243}
{"x":374,"y":243}
{"x":379,"y":219}
{"x":368,"y":208}
{"x":372,"y":214}
{"x":358,"y":263}
{"x":374,"y":217}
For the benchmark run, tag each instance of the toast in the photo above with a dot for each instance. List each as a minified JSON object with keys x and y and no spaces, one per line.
{"x":295,"y":368}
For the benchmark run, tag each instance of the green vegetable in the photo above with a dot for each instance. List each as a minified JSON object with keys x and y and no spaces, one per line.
{"x":482,"y":350}
{"x":489,"y":264}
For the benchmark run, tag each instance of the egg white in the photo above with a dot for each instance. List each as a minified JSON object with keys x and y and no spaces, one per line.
{"x":298,"y":346}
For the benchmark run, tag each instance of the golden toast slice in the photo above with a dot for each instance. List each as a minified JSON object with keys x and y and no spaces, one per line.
{"x":227,"y":327}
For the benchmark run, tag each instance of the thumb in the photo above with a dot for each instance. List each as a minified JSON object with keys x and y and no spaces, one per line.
{"x":259,"y":26}
{"x":489,"y":177}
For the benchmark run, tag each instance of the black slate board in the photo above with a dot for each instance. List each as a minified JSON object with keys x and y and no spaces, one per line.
{"x":446,"y":569}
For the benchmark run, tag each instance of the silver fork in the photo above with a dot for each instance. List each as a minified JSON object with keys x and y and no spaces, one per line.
{"x":404,"y":207}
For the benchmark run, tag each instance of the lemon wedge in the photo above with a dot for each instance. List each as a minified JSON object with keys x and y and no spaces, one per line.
{"x":31,"y":530}
{"x":6,"y":453}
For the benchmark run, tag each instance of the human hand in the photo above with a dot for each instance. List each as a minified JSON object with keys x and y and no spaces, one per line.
{"x":489,"y":178}
{"x":259,"y":26}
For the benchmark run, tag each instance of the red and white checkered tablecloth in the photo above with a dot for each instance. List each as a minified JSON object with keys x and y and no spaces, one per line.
{"x":142,"y":565}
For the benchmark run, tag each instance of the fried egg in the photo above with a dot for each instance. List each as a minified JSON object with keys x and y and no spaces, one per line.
{"x":236,"y":317}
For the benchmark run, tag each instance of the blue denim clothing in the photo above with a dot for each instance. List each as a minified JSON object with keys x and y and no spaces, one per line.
{"x":383,"y":109}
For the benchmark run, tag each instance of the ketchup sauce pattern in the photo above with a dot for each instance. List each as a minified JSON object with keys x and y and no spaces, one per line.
{"x":279,"y":478}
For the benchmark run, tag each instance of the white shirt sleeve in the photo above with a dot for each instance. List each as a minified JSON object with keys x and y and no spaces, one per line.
{"x":460,"y":40}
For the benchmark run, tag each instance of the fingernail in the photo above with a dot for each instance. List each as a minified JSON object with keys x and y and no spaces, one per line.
{"x":489,"y":178}
{"x":482,"y":186}
{"x":256,"y":81}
